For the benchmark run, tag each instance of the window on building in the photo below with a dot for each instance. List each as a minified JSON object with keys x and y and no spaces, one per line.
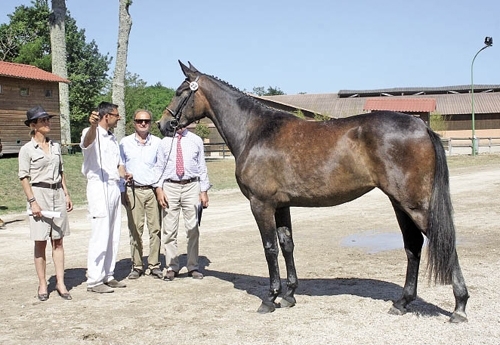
{"x":48,"y":93}
{"x":0,"y":88}
{"x":24,"y":91}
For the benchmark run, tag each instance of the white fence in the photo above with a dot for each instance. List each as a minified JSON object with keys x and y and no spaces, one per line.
{"x":460,"y":146}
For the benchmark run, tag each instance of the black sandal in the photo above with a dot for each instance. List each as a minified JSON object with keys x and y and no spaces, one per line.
{"x":65,"y":295}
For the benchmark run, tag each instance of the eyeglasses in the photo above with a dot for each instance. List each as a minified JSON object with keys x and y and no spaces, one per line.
{"x":117,"y":115}
{"x":139,"y":121}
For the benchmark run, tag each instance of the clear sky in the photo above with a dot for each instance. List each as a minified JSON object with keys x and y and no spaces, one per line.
{"x":301,"y":46}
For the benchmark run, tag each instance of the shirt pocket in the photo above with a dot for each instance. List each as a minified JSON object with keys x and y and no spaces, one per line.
{"x":37,"y":161}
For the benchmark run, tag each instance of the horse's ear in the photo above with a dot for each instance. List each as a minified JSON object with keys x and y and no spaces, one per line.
{"x":192,"y":67}
{"x":188,"y":72}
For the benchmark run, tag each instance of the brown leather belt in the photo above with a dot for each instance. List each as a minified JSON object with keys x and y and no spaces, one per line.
{"x":47,"y":185}
{"x":143,"y":187}
{"x":194,"y":179}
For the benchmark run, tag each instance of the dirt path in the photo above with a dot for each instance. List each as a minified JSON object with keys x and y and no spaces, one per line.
{"x":349,"y":262}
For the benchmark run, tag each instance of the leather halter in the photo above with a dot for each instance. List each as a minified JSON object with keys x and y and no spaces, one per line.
{"x":193,"y":87}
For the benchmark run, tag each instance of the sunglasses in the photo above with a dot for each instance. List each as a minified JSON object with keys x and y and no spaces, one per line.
{"x":138,"y":121}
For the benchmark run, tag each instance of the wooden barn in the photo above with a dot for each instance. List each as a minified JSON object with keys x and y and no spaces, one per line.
{"x":21,"y":88}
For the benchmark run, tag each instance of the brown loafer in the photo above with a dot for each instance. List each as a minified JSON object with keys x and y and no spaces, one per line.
{"x":195,"y":274}
{"x":101,"y":288}
{"x":170,"y":275}
{"x":115,"y":284}
{"x":135,"y":274}
{"x":157,"y":273}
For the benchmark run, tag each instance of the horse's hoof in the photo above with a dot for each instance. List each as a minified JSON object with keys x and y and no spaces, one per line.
{"x":266,"y":307}
{"x":396,"y":311}
{"x":287,"y":302}
{"x":457,"y":317}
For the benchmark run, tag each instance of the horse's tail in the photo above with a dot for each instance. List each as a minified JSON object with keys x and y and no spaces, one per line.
{"x":440,"y":230}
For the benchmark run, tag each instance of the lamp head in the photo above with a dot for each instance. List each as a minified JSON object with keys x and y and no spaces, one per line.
{"x":488,"y":41}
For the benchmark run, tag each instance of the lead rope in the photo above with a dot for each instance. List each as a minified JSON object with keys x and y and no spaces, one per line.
{"x":193,"y":86}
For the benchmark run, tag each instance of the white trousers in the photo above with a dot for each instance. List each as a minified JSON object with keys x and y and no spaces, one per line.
{"x":105,"y":212}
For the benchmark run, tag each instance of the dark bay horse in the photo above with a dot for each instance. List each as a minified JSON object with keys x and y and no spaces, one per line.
{"x":283,"y":161}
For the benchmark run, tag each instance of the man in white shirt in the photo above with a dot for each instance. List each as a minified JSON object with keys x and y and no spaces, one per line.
{"x":138,"y":153}
{"x":103,"y":168}
{"x":183,"y":186}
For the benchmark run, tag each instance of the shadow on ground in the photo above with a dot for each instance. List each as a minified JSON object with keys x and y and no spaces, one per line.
{"x":366,"y":288}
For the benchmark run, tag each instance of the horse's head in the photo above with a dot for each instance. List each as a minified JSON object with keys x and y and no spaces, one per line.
{"x":188,"y":104}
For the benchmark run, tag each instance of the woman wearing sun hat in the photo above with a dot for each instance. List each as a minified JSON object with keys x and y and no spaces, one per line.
{"x":43,"y":182}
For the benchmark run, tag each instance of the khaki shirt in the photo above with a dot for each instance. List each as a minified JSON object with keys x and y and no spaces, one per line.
{"x":38,"y":166}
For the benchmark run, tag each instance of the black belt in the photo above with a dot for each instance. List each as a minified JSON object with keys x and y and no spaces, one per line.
{"x":194,"y":179}
{"x":143,"y":187}
{"x":47,"y":185}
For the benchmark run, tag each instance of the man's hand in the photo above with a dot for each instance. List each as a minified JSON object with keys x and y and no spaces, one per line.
{"x":161,"y":197}
{"x":128,"y":177}
{"x":94,"y":118}
{"x":204,"y":199}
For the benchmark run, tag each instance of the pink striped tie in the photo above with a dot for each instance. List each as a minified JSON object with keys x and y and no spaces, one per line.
{"x":179,"y":162}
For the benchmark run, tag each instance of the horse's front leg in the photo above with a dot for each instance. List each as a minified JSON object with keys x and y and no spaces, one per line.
{"x":264,"y":216}
{"x":284,"y":230}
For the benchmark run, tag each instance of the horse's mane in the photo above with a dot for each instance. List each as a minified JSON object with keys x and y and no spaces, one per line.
{"x":248,"y":102}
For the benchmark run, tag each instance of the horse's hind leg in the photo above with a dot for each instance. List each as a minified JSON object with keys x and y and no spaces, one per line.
{"x":460,"y":292}
{"x":413,"y":242}
{"x":284,"y":229}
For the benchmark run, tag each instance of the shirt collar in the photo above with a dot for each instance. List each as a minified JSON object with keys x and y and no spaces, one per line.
{"x":36,"y":145}
{"x":103,"y":131}
{"x":147,"y":142}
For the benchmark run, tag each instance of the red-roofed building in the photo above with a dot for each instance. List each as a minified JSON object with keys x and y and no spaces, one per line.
{"x":402,"y":105}
{"x":21,"y":88}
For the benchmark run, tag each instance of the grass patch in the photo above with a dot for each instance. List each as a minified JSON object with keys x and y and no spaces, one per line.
{"x":220,"y":171}
{"x":13,"y":200}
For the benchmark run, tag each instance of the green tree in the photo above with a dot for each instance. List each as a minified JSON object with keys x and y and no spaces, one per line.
{"x":437,"y":122}
{"x":202,"y":130}
{"x":26,"y":39}
{"x":138,"y":95}
{"x":271,"y":91}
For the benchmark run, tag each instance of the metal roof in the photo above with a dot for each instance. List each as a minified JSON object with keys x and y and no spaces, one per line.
{"x":416,"y":91}
{"x":16,"y":70}
{"x":446,"y":104}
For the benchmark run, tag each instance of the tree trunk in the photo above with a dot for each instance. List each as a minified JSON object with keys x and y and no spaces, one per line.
{"x":58,"y":47}
{"x":118,"y":93}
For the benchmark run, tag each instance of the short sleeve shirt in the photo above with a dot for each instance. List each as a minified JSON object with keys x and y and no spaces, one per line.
{"x":38,"y":166}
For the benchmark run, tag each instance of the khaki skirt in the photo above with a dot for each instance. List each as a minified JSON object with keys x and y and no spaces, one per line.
{"x":44,"y":228}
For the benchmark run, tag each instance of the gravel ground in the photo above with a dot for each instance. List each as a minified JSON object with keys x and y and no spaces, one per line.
{"x":349,"y":262}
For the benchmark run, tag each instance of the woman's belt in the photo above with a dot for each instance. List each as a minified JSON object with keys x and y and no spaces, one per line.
{"x":47,"y":185}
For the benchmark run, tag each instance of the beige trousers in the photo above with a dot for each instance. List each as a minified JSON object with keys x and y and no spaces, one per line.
{"x":146,"y":210}
{"x":183,"y":198}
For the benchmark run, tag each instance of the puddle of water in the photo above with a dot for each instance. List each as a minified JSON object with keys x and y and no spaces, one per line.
{"x":374,"y":242}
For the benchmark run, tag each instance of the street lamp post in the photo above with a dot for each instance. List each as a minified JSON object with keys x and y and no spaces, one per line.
{"x":488,"y":42}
